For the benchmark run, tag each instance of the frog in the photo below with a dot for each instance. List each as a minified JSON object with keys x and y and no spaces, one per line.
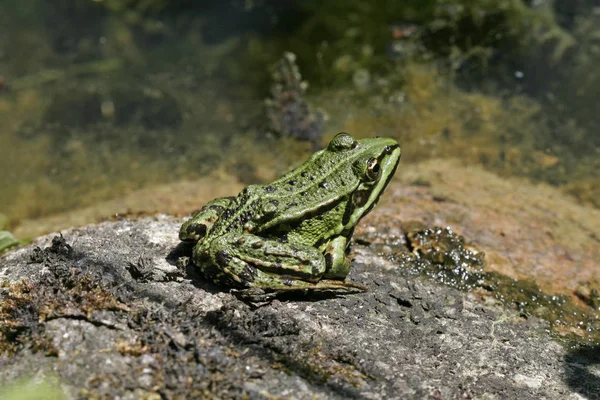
{"x":294,"y":233}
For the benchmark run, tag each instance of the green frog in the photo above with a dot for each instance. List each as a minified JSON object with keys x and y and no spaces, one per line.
{"x":294,"y":233}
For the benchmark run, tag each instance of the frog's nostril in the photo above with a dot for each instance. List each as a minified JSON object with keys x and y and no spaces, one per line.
{"x":389,"y":149}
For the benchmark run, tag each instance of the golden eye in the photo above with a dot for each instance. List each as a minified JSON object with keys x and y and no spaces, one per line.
{"x":373,"y":168}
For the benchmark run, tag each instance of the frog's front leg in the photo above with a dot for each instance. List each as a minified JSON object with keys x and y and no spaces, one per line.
{"x":198,"y":226}
{"x":246,"y":260}
{"x":338,"y":265}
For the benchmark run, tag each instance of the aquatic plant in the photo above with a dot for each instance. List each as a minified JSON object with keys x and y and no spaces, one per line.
{"x":7,"y":240}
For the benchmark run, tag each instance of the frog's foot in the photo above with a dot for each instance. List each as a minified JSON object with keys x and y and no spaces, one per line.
{"x":199,"y":225}
{"x":322,"y":286}
{"x":341,"y":287}
{"x":322,"y":289}
{"x":256,"y":296}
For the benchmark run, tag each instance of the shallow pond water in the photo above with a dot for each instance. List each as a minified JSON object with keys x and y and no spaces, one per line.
{"x":99,"y":99}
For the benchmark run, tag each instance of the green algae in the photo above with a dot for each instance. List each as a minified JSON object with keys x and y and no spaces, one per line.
{"x":33,"y":389}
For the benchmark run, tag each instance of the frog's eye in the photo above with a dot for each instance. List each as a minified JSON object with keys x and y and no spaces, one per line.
{"x":342,"y":141}
{"x":373,"y":169}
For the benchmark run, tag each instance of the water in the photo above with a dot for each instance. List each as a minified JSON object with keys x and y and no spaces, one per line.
{"x":99,"y":100}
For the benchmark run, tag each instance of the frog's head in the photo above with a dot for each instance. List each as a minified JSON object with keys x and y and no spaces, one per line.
{"x":373,"y":163}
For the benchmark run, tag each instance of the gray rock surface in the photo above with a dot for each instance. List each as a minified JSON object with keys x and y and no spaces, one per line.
{"x":108,"y":311}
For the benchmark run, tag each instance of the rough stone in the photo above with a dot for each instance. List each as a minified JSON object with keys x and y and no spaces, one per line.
{"x":164,"y":331}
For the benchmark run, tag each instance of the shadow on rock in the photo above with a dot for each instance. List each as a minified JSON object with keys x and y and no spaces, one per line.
{"x":274,"y":335}
{"x":579,"y":363}
{"x":180,"y":256}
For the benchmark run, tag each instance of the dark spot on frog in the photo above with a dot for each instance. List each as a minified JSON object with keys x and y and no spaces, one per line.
{"x":315,"y":269}
{"x":303,"y":193}
{"x":270,"y":207}
{"x":292,"y":182}
{"x":245,"y":217}
{"x":283,"y":238}
{"x":328,"y":262}
{"x":270,"y":189}
{"x":217,"y":208}
{"x":360,"y":198}
{"x":304,"y":174}
{"x":324,"y":185}
{"x":319,"y":243}
{"x":291,"y":205}
{"x":248,"y":274}
{"x":304,"y":261}
{"x":294,"y":250}
{"x":244,"y":195}
{"x":257,"y":245}
{"x":276,"y":265}
{"x":227,"y":214}
{"x":198,"y":229}
{"x":223,"y":258}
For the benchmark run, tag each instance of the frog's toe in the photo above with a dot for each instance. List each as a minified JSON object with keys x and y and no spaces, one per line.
{"x":256,"y":296}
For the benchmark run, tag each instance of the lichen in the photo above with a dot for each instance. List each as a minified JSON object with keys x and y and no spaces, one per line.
{"x":27,"y":305}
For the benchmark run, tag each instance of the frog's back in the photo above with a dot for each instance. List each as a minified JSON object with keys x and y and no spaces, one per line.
{"x":313,"y":191}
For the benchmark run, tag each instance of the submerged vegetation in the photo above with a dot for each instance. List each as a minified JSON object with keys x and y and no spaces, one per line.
{"x":110,"y":96}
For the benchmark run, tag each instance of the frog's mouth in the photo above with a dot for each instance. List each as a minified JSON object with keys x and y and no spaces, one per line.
{"x":390,"y":161}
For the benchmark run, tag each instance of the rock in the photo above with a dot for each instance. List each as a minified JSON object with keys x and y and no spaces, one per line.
{"x":74,"y":306}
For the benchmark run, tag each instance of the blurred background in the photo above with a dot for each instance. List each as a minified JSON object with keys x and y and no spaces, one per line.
{"x":168,"y":104}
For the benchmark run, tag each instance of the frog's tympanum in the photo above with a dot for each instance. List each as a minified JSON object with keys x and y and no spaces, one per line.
{"x":294,"y":233}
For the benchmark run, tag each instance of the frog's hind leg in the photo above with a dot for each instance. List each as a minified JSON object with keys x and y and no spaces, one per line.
{"x":252,"y":261}
{"x":198,"y":226}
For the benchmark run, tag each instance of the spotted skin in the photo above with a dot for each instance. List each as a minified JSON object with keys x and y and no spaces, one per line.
{"x":294,"y":233}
